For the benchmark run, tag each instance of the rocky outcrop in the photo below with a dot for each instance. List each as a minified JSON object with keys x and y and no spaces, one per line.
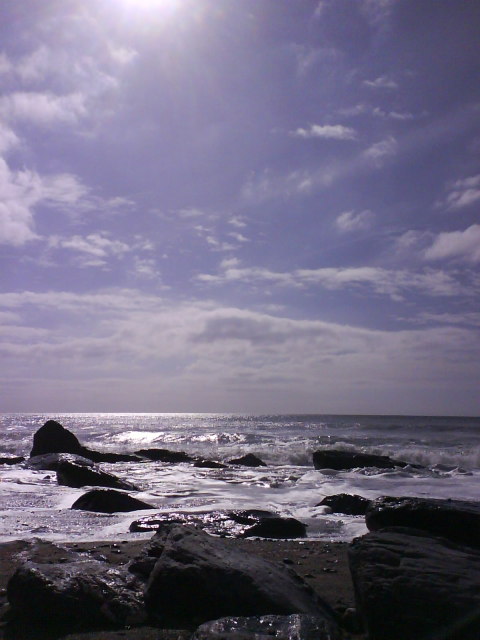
{"x":409,"y":584}
{"x":457,"y":520}
{"x":165,"y":455}
{"x":341,"y":460}
{"x":109,"y":501}
{"x":294,"y":627}
{"x":350,"y":505}
{"x":108,"y":456}
{"x":50,"y":461}
{"x":198,"y":578}
{"x":75,"y":595}
{"x":249,"y":460}
{"x":236,"y":524}
{"x":11,"y":459}
{"x":75,"y":475}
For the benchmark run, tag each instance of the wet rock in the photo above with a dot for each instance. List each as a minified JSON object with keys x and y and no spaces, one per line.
{"x":165,"y":455}
{"x":209,"y":464}
{"x":54,"y":438}
{"x":75,"y":475}
{"x":50,"y":461}
{"x":277,"y":528}
{"x":109,"y":501}
{"x":409,"y":584}
{"x":340,"y":460}
{"x":108,"y":456}
{"x":72,"y":596}
{"x":249,"y":460}
{"x":457,"y":520}
{"x":11,"y":459}
{"x":293,"y":627}
{"x":350,"y":505}
{"x":198,"y":578}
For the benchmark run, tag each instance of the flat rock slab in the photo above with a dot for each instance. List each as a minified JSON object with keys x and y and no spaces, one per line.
{"x":165,"y":455}
{"x":342,"y":460}
{"x":74,"y":475}
{"x":11,"y":459}
{"x":409,"y":585}
{"x":294,"y":627}
{"x":109,"y":501}
{"x":457,"y":520}
{"x":198,"y":578}
{"x":51,"y":461}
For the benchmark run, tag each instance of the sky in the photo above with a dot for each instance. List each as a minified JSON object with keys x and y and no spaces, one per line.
{"x":262,"y":206}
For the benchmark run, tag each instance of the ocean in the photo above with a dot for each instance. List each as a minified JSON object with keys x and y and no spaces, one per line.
{"x":32,"y":504}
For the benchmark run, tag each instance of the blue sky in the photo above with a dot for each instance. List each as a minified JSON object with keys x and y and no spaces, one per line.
{"x":240,"y":205}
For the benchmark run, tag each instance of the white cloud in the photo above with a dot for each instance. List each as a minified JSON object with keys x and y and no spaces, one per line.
{"x":239,"y":237}
{"x":329,"y":131}
{"x":43,"y":108}
{"x":351,"y":221}
{"x":237,"y":221}
{"x":382,"y":82}
{"x":460,"y":245}
{"x":378,"y":151}
{"x":8,"y":139}
{"x":464,"y":192}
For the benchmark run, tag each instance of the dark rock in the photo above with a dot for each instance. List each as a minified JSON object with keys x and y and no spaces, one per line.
{"x":50,"y":461}
{"x":412,"y":585}
{"x":209,"y":464}
{"x":11,"y":459}
{"x":72,"y":596}
{"x":339,"y":460}
{"x":165,"y":455}
{"x":75,"y":475}
{"x":107,"y":456}
{"x":54,"y":438}
{"x":350,"y":505}
{"x":109,"y":501}
{"x":249,"y":460}
{"x":293,"y":627}
{"x":236,"y":524}
{"x":457,"y":520}
{"x":198,"y":578}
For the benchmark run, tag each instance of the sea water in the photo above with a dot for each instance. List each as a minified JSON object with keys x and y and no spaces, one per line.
{"x":33,"y":504}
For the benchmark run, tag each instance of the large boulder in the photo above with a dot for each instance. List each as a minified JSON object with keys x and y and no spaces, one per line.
{"x":109,"y":501}
{"x":412,"y":585}
{"x":339,"y":460}
{"x":349,"y":504}
{"x":293,"y":627}
{"x":249,"y":460}
{"x":75,"y":475}
{"x":457,"y":520}
{"x":75,"y":595}
{"x":198,"y":578}
{"x":54,"y":438}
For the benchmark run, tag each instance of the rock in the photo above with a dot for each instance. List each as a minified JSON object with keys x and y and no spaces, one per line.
{"x":11,"y":459}
{"x":109,"y":501}
{"x":75,"y":475}
{"x":409,"y":584}
{"x":293,"y":627}
{"x":350,"y":505}
{"x":165,"y":455}
{"x":198,"y":578}
{"x":209,"y":464}
{"x":457,"y":520}
{"x":340,"y":460}
{"x":232,"y":524}
{"x":54,"y":438}
{"x":50,"y":461}
{"x":79,"y":595}
{"x":107,"y":456}
{"x":249,"y":460}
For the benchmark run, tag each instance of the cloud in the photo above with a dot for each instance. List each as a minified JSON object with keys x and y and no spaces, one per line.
{"x":43,"y":108}
{"x":463,"y":193}
{"x":457,"y":245}
{"x":95,"y":247}
{"x":351,"y":221}
{"x":382,"y":82}
{"x":378,"y":151}
{"x":8,"y":139}
{"x":328,"y":131}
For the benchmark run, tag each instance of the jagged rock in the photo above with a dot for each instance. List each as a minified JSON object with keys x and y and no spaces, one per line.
{"x":11,"y":459}
{"x":165,"y":455}
{"x":350,"y":505}
{"x":457,"y":520}
{"x":50,"y":461}
{"x":293,"y":627}
{"x":209,"y":464}
{"x":75,"y":475}
{"x":109,"y":501}
{"x":198,"y":578}
{"x":237,"y":524}
{"x":79,"y":595}
{"x":249,"y":460}
{"x":340,"y":460}
{"x":409,"y":584}
{"x":54,"y":438}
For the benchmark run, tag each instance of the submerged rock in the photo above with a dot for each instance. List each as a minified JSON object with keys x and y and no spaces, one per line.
{"x":109,"y":501}
{"x":11,"y":459}
{"x":340,"y":460}
{"x":457,"y":520}
{"x":198,"y":578}
{"x":249,"y":460}
{"x":202,"y":463}
{"x":293,"y":627}
{"x":350,"y":505}
{"x":277,"y":527}
{"x":75,"y":475}
{"x":50,"y":461}
{"x":409,"y":584}
{"x":165,"y":455}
